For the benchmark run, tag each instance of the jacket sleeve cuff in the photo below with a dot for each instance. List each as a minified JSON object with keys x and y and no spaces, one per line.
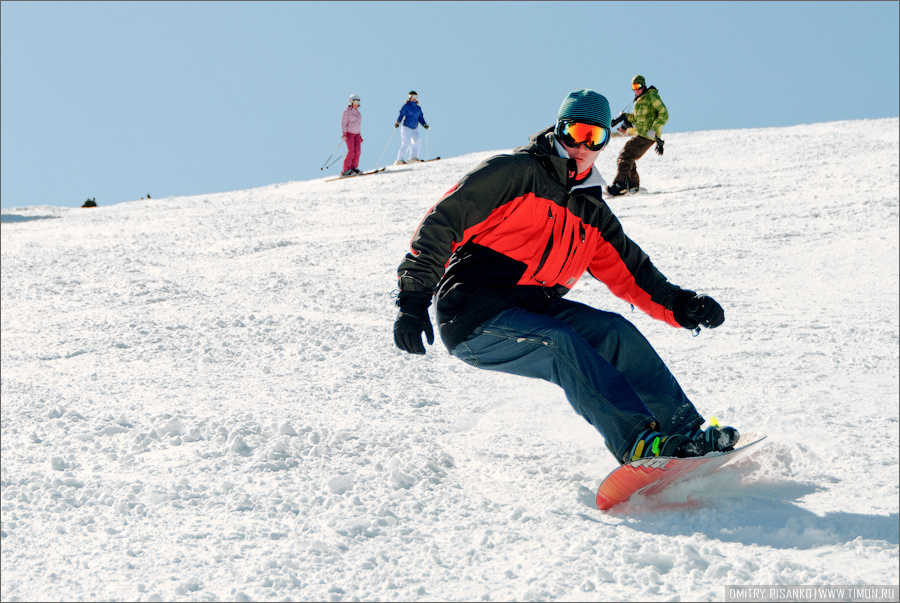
{"x":679,"y":301}
{"x":412,"y":285}
{"x":413,"y":299}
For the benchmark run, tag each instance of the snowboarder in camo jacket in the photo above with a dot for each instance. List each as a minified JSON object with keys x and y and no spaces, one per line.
{"x":650,"y":115}
{"x":508,"y":241}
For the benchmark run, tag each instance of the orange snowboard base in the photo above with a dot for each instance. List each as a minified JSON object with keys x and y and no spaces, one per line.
{"x":654,"y":474}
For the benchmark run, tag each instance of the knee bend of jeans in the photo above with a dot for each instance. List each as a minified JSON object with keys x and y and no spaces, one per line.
{"x":465,"y":353}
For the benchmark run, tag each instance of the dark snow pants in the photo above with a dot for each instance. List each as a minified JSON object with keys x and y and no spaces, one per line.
{"x":610,"y":373}
{"x":633,"y":150}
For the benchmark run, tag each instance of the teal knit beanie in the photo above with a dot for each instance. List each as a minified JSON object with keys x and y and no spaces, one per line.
{"x":585,"y":106}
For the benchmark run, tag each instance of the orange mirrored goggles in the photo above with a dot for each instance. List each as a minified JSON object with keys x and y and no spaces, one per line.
{"x":574,"y":133}
{"x":637,"y":86}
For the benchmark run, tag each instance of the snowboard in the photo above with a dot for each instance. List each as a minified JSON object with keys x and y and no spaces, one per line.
{"x":640,"y":190}
{"x":654,"y":474}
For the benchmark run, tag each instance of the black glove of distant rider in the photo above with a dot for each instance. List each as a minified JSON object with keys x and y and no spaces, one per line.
{"x":659,"y":146}
{"x":412,"y":321}
{"x":692,"y":310}
{"x":396,"y":124}
{"x":621,"y":119}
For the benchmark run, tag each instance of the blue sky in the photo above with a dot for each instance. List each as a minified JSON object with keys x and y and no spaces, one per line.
{"x":118,"y":100}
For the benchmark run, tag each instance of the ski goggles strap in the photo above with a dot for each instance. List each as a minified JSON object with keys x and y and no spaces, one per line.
{"x":574,"y":133}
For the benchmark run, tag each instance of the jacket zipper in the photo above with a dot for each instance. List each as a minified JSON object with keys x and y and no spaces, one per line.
{"x":569,"y":254}
{"x":547,"y":249}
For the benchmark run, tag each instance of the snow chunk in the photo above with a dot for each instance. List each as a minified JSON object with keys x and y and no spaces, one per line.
{"x":174,"y":428}
{"x":400,"y":480}
{"x":287,"y":429}
{"x":340,"y":484}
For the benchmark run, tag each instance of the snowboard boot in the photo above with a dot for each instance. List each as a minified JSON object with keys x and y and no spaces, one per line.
{"x":347,"y":173}
{"x":714,"y":438}
{"x":356,"y":171}
{"x":617,"y":189}
{"x":399,"y":162}
{"x":653,"y":443}
{"x":634,"y":189}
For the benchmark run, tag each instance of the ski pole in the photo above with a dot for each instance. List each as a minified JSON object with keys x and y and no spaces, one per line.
{"x":332,"y":153}
{"x":377,"y":163}
{"x":335,"y":161}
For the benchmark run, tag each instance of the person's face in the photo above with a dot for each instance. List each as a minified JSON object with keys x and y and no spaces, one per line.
{"x":355,"y":103}
{"x":584,"y":158}
{"x":638,"y":89}
{"x":413,"y":97}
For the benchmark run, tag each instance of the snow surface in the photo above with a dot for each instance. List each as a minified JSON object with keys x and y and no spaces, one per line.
{"x":202,"y":399}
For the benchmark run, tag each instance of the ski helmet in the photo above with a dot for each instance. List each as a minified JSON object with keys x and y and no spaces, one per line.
{"x":413,"y":93}
{"x":353,"y":97}
{"x":639,"y":79}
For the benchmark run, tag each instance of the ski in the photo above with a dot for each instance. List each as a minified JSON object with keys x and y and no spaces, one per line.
{"x":378,"y":171}
{"x":417,"y":161}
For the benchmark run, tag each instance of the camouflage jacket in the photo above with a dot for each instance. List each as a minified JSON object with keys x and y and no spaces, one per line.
{"x":649,"y":113}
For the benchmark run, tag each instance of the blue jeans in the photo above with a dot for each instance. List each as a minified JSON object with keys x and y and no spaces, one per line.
{"x":610,"y":373}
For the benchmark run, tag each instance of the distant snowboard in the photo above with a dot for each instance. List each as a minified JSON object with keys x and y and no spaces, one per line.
{"x":654,"y":474}
{"x":641,"y":191}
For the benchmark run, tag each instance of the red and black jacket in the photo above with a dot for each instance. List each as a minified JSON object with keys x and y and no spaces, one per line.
{"x":517,"y":231}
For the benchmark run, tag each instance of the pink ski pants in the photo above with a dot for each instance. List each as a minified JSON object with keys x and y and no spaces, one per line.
{"x":354,"y":147}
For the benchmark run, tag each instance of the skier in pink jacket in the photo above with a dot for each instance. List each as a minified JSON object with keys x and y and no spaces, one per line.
{"x":351,"y":133}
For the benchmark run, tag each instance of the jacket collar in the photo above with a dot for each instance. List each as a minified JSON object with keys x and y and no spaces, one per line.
{"x":544,"y":146}
{"x":594,"y":179}
{"x":541,"y":147}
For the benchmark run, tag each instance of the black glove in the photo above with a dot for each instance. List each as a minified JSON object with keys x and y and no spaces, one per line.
{"x":425,"y":126}
{"x":412,"y":321}
{"x":621,"y":119}
{"x":397,"y":125}
{"x":692,"y":310}
{"x":659,"y":146}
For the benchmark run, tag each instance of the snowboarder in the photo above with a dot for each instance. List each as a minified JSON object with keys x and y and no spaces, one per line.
{"x":351,"y":133}
{"x":650,"y":115}
{"x":410,"y":117}
{"x":501,"y":249}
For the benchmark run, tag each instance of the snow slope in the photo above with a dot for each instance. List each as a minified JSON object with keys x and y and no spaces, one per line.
{"x":202,"y":399}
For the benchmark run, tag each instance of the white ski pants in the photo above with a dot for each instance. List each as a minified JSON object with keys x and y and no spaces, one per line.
{"x":409,"y":144}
